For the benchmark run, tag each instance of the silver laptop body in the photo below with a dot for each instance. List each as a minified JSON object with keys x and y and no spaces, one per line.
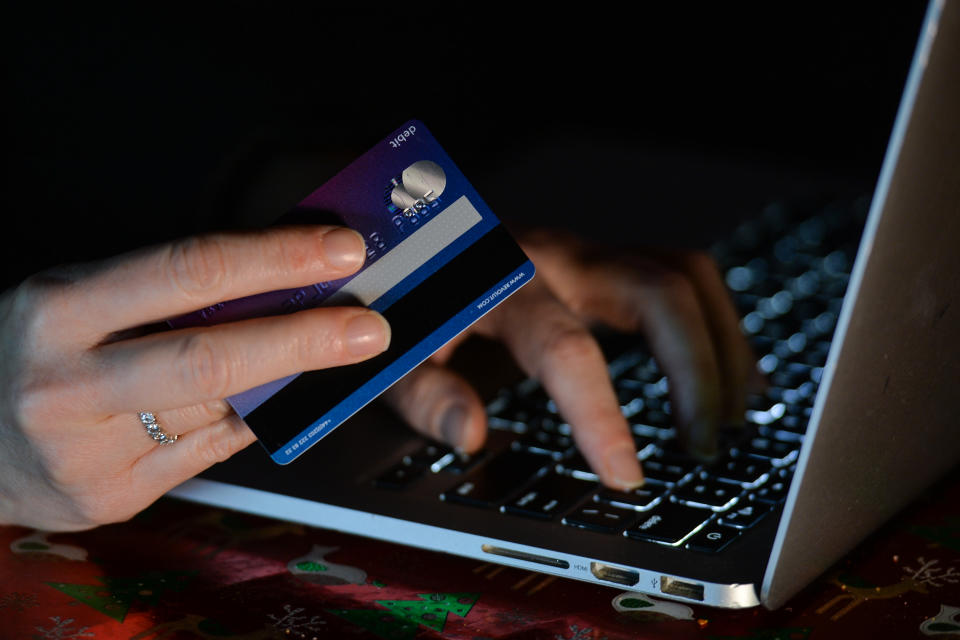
{"x":881,"y":429}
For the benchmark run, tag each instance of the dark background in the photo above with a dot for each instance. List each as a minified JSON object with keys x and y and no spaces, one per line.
{"x":659,"y":127}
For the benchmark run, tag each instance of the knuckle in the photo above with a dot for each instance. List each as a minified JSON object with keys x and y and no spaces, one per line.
{"x":197,"y":266}
{"x":415,"y":399}
{"x":295,"y":254}
{"x":422,"y":395}
{"x":214,"y":448}
{"x":569,"y":344}
{"x":311,"y":348}
{"x":211,"y":411}
{"x":699,"y":260}
{"x":205,"y":370}
{"x":35,"y":303}
{"x":35,"y":400}
{"x":676,"y":290}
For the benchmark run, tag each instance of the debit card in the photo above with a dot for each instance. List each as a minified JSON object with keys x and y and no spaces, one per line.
{"x":437,"y":261}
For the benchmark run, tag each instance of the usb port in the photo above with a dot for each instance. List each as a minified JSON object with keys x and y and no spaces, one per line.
{"x":680,"y":588}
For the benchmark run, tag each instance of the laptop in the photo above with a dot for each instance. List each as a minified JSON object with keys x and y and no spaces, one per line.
{"x":852,"y":309}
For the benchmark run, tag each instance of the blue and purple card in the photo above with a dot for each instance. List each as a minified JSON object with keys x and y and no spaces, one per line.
{"x":437,"y":261}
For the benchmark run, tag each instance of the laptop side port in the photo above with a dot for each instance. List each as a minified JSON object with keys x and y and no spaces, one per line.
{"x":523,"y":555}
{"x":626,"y":577}
{"x":675,"y":587}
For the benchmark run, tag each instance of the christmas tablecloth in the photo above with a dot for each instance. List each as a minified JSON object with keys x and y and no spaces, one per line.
{"x":181,"y":570}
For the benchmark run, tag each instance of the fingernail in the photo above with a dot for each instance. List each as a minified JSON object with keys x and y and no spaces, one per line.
{"x":343,"y":248}
{"x":453,"y":425}
{"x":367,"y":334}
{"x":624,"y":468}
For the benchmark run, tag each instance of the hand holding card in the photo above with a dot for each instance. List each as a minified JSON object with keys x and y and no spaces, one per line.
{"x":437,"y":260}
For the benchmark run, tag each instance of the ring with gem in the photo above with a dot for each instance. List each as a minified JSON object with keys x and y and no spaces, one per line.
{"x":149,"y":421}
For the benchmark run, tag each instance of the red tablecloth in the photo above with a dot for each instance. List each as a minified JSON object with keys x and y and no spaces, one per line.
{"x":180,"y":570}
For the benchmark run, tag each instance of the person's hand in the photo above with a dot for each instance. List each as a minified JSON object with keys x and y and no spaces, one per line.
{"x":77,"y":365}
{"x":676,"y":300}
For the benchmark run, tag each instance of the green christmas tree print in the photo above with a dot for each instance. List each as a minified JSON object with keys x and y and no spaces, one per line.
{"x":431,"y":611}
{"x":114,"y":597}
{"x":400,"y":620}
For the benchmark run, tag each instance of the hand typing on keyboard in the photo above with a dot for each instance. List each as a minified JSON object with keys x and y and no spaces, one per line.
{"x":676,"y":300}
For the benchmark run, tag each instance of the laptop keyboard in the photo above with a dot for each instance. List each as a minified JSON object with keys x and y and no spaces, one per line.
{"x":787,"y":276}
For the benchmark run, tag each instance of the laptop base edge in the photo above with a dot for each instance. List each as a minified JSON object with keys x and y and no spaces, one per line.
{"x":486,"y":549}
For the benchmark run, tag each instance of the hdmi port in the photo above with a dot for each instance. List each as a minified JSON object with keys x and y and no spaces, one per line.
{"x":626,"y":577}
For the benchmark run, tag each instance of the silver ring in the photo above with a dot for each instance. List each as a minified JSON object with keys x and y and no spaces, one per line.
{"x":149,"y":421}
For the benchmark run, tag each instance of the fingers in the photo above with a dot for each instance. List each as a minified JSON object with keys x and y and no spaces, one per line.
{"x":441,"y":405}
{"x":666,"y":302}
{"x":672,"y":320}
{"x":165,"y":467}
{"x":177,"y":421}
{"x":130,"y":437}
{"x":664,"y":306}
{"x":172,"y":279}
{"x":553,"y":346}
{"x":734,"y":356}
{"x":191,"y":366}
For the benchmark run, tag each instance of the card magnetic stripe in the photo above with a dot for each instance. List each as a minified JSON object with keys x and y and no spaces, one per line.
{"x":292,"y":412}
{"x":392,"y":277}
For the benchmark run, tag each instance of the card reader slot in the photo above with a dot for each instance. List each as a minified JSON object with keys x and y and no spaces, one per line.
{"x":523,"y":555}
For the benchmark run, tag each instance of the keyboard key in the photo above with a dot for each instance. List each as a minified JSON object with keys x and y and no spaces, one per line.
{"x":655,"y":418}
{"x":641,"y":498}
{"x":647,"y":371}
{"x":783,"y":435}
{"x":657,"y":389}
{"x":577,"y":466}
{"x":601,"y":517}
{"x":743,"y":471}
{"x":775,"y":394}
{"x":709,"y":494}
{"x":768,"y":415}
{"x":646,"y":446}
{"x":553,"y":424}
{"x":651,"y":431}
{"x":427,"y":455}
{"x":779,"y":453}
{"x":399,"y":476}
{"x":816,"y":356}
{"x":761,"y":344}
{"x":461,"y":462}
{"x":803,"y":411}
{"x":630,"y":402}
{"x":668,"y":522}
{"x":793,"y":423}
{"x":664,"y":472}
{"x":489,"y":485}
{"x":774,"y":491}
{"x":548,"y":496}
{"x":745,"y":514}
{"x":547,"y":443}
{"x":501,"y":424}
{"x":791,"y":375}
{"x":712,"y":538}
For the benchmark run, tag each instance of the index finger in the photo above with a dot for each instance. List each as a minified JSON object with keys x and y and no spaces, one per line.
{"x":555,"y":347}
{"x":171,"y":279}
